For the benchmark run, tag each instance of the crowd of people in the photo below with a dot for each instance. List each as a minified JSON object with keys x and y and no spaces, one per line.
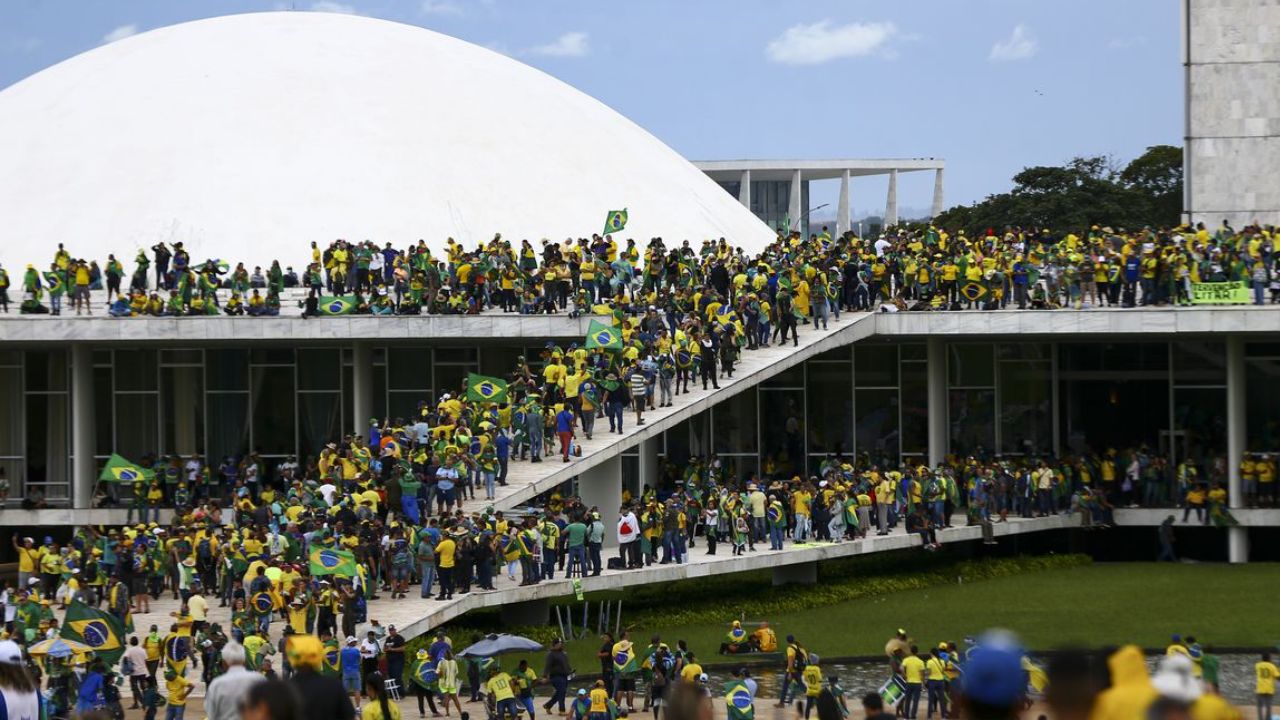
{"x":912,"y":267}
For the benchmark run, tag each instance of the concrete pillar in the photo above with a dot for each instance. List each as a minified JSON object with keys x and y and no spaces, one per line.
{"x":891,"y":202}
{"x":793,"y":206}
{"x":937,"y":193}
{"x":648,"y":464}
{"x":1237,"y":439}
{"x":844,"y":217}
{"x":805,"y":573}
{"x":83,"y":475}
{"x":601,"y":486}
{"x":361,"y":387}
{"x":744,"y":189}
{"x":936,"y":356}
{"x":529,"y":612}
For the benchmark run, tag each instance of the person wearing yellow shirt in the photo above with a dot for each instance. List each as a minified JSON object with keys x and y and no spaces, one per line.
{"x":445,"y":550}
{"x":812,"y":677}
{"x":178,"y":689}
{"x":935,"y":682}
{"x":502,"y":690}
{"x":28,"y":560}
{"x":913,"y":673}
{"x":1264,"y":689}
{"x":691,"y":670}
{"x":800,"y":504}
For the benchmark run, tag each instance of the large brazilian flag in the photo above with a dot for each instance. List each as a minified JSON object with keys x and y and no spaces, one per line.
{"x":615,"y":221}
{"x":331,"y":561}
{"x":737,"y":701}
{"x":603,"y":336}
{"x":482,"y":388}
{"x":100,"y":630}
{"x":337,"y":304}
{"x":118,"y":469}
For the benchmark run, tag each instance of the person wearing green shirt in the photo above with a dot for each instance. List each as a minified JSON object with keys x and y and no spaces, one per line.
{"x":575,"y":542}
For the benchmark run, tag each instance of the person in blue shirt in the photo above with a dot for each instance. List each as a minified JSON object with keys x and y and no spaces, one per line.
{"x":502,"y":444}
{"x":349,"y":662}
{"x":564,"y":429}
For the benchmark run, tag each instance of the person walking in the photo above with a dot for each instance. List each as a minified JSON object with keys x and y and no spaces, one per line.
{"x":222,"y":699}
{"x":134,"y":664}
{"x":556,"y":671}
{"x":1264,"y":689}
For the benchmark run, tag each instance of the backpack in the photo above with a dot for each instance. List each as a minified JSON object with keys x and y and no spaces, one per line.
{"x":204,"y":550}
{"x":90,"y":572}
{"x":361,"y":609}
{"x":802,"y":657}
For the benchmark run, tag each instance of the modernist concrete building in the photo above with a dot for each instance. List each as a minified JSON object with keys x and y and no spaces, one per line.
{"x":769,"y":187}
{"x":1231,"y":55}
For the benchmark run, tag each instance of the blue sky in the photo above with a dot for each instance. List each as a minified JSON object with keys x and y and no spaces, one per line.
{"x":989,"y":85}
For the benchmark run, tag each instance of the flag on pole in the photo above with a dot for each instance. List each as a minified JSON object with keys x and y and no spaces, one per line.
{"x":615,"y":221}
{"x":482,"y":388}
{"x":603,"y":336}
{"x":337,"y":304}
{"x":330,"y":561}
{"x":118,"y":469}
{"x":98,"y":629}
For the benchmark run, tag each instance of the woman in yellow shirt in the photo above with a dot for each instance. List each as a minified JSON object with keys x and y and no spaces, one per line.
{"x":378,"y":707}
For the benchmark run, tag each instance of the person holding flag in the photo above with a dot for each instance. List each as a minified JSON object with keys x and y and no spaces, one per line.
{"x":739,"y":700}
{"x":625,"y":667}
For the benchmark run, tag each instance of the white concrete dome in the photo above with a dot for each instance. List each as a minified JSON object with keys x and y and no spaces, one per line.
{"x":248,"y":136}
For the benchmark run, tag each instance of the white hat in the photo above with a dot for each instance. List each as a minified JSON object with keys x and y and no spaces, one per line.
{"x":350,"y":640}
{"x":10,"y":653}
{"x":33,"y":581}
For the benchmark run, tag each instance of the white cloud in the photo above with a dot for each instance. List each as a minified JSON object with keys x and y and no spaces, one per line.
{"x":570,"y":44}
{"x":120,"y":33}
{"x":1020,"y":45}
{"x":330,"y":6}
{"x":821,"y":42}
{"x":439,"y":7}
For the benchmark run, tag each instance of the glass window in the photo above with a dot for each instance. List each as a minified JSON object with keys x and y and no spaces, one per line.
{"x":228,"y":424}
{"x":782,"y":431}
{"x":1202,"y":413}
{"x":830,"y":387}
{"x":1115,"y":356}
{"x":319,"y":369}
{"x":271,"y":356}
{"x":914,"y":351}
{"x":227,"y":369}
{"x":875,"y":365}
{"x":11,"y":411}
{"x":137,"y":425}
{"x":182,"y":409}
{"x":47,"y":441}
{"x":46,"y":370}
{"x":915,"y":408}
{"x":969,"y":365}
{"x":499,"y":361}
{"x":877,"y":424}
{"x":181,"y":357}
{"x":735,"y":424}
{"x":840,"y":354}
{"x":1024,"y":351}
{"x":973,"y":425}
{"x":135,"y":370}
{"x":457,"y":355}
{"x":320,"y":421}
{"x":404,"y":404}
{"x":379,"y":394}
{"x":1026,"y":407}
{"x":740,"y":467}
{"x":10,"y":358}
{"x":409,"y":368}
{"x":104,"y":417}
{"x":273,"y":411}
{"x":452,"y":378}
{"x":1199,"y":363}
{"x":1262,"y":422}
{"x":792,"y":377}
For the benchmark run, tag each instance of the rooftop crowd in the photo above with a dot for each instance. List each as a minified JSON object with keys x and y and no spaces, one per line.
{"x":918,"y":267}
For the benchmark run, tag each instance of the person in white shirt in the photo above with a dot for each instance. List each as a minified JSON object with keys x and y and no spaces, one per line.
{"x":222,"y":701}
{"x":19,"y":693}
{"x":136,"y":660}
{"x":629,"y":538}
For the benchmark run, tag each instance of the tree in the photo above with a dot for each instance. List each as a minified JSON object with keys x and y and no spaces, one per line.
{"x":1086,"y":191}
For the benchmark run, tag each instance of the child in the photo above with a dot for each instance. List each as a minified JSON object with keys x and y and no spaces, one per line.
{"x":740,"y":534}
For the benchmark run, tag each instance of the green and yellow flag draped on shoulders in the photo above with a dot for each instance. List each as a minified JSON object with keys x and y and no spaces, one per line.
{"x":482,"y":388}
{"x":603,"y":336}
{"x":100,"y":630}
{"x":331,"y":561}
{"x":737,"y":700}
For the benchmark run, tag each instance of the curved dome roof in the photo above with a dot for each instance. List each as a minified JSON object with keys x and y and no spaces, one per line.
{"x":249,"y":136}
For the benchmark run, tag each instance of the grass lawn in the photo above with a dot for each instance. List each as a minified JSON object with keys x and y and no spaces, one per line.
{"x":1092,"y":606}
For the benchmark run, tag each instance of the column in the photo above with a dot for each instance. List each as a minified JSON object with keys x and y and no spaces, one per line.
{"x":361,"y":387}
{"x":83,"y":475}
{"x":793,"y":197}
{"x":936,"y":356}
{"x":891,"y":202}
{"x":844,"y":218}
{"x":1237,"y":438}
{"x":601,"y":486}
{"x":744,"y":189}
{"x":648,"y":463}
{"x":937,"y":193}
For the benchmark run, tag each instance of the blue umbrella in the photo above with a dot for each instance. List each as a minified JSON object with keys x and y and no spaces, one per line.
{"x":58,"y":648}
{"x":498,"y":644}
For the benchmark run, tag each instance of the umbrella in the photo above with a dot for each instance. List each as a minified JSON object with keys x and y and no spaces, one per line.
{"x":58,"y":648}
{"x":498,"y":644}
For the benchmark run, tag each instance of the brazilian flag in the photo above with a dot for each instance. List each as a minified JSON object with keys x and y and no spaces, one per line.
{"x":624,"y":658}
{"x":603,"y":336}
{"x":53,"y":281}
{"x":329,"y":662}
{"x":737,"y":701}
{"x":337,"y":304}
{"x":615,"y":221}
{"x":100,"y":630}
{"x":482,"y":388}
{"x":118,"y":469}
{"x":177,"y":649}
{"x":973,"y":291}
{"x":262,"y":603}
{"x":424,"y":674}
{"x":331,"y":561}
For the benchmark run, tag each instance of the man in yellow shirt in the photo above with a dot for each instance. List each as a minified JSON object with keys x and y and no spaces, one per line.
{"x":913,"y":674}
{"x":1264,"y":688}
{"x":502,"y":691}
{"x":691,"y":670}
{"x":444,"y":556}
{"x":28,"y":559}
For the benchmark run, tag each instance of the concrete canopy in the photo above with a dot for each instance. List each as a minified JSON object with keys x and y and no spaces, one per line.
{"x":249,"y":136}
